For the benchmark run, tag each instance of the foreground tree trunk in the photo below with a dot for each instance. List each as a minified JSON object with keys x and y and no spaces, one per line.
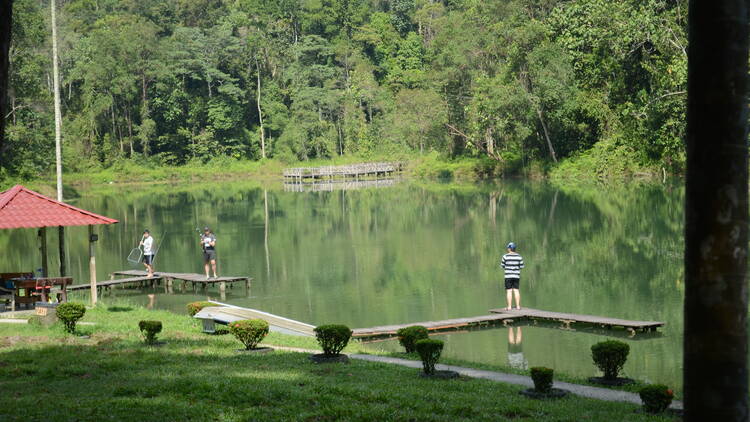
{"x":6,"y":22}
{"x":716,"y":213}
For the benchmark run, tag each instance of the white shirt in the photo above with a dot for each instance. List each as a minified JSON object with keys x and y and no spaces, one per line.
{"x":147,"y":245}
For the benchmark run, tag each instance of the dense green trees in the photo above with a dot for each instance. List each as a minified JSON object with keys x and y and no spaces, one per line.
{"x":515,"y":81}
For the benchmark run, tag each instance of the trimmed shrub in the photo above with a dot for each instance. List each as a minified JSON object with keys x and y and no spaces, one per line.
{"x":542,"y":378}
{"x":69,"y":313}
{"x":333,"y":338}
{"x":407,"y":336}
{"x":429,"y":351}
{"x":195,"y":307}
{"x":150,"y":329}
{"x":249,"y":331}
{"x":610,"y":356}
{"x":656,"y":398}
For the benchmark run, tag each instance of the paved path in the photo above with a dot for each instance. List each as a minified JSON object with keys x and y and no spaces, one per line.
{"x":577,"y":389}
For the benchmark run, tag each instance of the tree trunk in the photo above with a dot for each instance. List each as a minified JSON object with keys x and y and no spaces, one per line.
{"x":546,"y":134}
{"x":490,"y":142}
{"x":260,"y":114}
{"x":716,"y":213}
{"x":6,"y":20}
{"x":58,"y":114}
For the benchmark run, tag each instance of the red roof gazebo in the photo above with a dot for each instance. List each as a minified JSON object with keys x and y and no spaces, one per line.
{"x":23,"y":208}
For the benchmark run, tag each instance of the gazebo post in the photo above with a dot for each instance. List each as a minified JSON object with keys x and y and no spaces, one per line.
{"x":42,"y":233}
{"x":63,"y":264}
{"x":92,"y":264}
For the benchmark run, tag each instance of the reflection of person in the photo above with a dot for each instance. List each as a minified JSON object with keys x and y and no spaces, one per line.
{"x":515,"y":350}
{"x":208,"y":242}
{"x":512,"y":263}
{"x":148,"y":252}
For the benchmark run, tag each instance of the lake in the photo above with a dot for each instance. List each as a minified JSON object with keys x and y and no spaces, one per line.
{"x":407,"y":251}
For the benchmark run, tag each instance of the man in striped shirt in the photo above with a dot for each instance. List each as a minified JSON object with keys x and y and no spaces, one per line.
{"x":512,"y":262}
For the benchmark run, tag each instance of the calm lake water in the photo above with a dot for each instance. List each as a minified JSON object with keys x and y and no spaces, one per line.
{"x":412,"y":252}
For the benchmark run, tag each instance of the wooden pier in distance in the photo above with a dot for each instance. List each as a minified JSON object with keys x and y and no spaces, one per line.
{"x":509,"y":317}
{"x":351,"y":171}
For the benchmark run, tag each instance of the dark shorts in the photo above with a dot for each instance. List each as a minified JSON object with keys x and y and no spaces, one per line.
{"x":512,"y":283}
{"x":209,"y":255}
{"x":148,"y":259}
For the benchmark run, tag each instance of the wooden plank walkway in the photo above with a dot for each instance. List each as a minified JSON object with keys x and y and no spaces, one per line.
{"x":509,"y":317}
{"x":447,"y":324}
{"x":194,"y":279}
{"x":225,"y":314}
{"x":109,"y":283}
{"x":350,"y":171}
{"x":567,"y":319}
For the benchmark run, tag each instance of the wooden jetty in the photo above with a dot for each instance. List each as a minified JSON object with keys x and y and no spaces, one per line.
{"x":447,"y":324}
{"x":139,"y":278}
{"x":194,"y":279}
{"x":352,"y":171}
{"x":568,"y":319}
{"x":141,"y":281}
{"x":509,"y":317}
{"x":223,"y":313}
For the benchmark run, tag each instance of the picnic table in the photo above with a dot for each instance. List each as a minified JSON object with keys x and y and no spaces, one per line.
{"x":39,"y":289}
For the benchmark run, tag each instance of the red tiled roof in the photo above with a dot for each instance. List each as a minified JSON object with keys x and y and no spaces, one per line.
{"x":24,"y":208}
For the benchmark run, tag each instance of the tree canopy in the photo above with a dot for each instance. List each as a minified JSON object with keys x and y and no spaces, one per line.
{"x":172,"y":82}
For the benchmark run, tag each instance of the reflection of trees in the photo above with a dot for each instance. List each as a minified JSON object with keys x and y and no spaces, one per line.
{"x":412,"y":252}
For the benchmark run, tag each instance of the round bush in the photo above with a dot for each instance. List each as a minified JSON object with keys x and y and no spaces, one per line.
{"x":249,"y":331}
{"x":542,"y":378}
{"x":656,"y":398}
{"x":429,"y":351}
{"x":332,"y":338}
{"x":195,"y":307}
{"x":407,"y":336}
{"x":150,"y":329}
{"x":610,"y":356}
{"x":69,"y":313}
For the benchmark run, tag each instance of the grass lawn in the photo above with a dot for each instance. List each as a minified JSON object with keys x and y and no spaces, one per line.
{"x":47,"y":375}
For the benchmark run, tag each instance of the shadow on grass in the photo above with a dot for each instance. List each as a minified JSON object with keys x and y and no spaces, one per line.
{"x":202,"y":379}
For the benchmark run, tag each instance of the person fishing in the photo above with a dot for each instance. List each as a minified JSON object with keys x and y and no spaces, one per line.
{"x":147,"y":241}
{"x":208,"y":243}
{"x":512,"y":263}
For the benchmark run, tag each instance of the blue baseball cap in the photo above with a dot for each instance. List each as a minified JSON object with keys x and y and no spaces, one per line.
{"x":511,"y":246}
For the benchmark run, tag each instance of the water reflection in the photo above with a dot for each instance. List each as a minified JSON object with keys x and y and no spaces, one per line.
{"x":413,"y":252}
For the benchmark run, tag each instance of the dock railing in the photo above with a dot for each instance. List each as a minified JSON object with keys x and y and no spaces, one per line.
{"x":345,"y":171}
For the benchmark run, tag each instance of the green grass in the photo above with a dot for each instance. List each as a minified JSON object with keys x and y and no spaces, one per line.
{"x":112,"y":375}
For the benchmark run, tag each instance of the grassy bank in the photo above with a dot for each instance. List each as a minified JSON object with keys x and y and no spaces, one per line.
{"x":112,"y":375}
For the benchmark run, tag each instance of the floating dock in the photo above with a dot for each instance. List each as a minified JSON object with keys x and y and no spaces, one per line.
{"x":223,"y":313}
{"x":351,"y":171}
{"x":447,"y":324}
{"x":509,"y":317}
{"x":569,"y":319}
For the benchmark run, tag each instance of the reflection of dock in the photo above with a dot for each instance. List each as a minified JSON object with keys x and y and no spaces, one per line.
{"x":509,"y":317}
{"x":336,"y":185}
{"x":350,"y":171}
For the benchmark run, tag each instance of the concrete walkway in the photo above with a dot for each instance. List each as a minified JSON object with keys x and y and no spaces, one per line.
{"x":577,"y":389}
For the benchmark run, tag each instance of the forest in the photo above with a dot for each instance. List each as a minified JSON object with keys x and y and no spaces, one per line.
{"x":562,"y":84}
